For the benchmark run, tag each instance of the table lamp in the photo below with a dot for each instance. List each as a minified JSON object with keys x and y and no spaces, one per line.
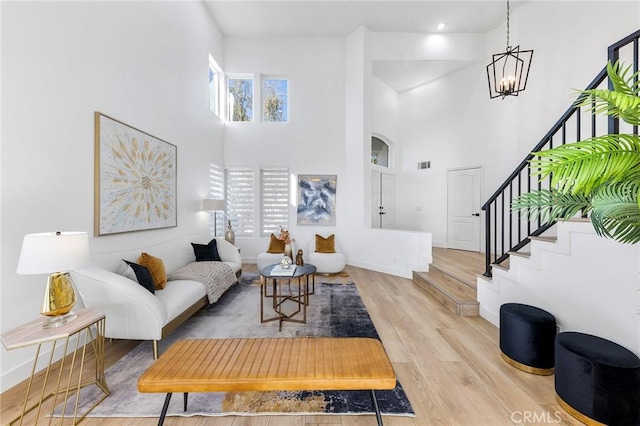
{"x":55,"y":253}
{"x":214,"y":206}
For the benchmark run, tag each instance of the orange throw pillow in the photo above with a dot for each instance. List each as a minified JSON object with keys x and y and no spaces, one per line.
{"x":275,"y":245}
{"x":325,"y":245}
{"x":156,"y":268}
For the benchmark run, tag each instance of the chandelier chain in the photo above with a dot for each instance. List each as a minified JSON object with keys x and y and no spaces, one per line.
{"x":508,"y":46}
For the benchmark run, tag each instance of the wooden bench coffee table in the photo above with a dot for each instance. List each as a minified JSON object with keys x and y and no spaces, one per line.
{"x":270,"y":364}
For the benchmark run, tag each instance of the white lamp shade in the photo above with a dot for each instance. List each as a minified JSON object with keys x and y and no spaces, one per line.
{"x":50,"y":252}
{"x":213,"y":205}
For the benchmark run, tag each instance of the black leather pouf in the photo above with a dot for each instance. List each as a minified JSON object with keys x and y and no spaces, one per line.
{"x":597,"y":380}
{"x":527,"y":336}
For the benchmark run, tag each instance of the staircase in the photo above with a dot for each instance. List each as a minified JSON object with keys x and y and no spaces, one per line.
{"x":507,"y":233}
{"x":509,"y":236}
{"x":590,"y":284}
{"x":451,"y":280}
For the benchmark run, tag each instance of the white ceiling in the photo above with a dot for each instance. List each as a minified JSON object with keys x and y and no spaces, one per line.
{"x":323,"y":18}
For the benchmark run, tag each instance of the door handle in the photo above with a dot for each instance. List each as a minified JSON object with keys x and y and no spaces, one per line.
{"x":475,"y":214}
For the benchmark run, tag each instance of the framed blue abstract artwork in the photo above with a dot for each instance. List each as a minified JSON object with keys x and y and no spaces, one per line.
{"x":317,"y":199}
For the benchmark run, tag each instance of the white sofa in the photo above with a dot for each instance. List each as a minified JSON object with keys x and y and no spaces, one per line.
{"x":132,"y":312}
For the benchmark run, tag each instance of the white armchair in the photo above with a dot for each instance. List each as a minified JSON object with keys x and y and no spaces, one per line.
{"x":326,"y":263}
{"x":269,"y":257}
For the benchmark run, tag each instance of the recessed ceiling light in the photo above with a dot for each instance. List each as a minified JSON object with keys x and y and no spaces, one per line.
{"x":441,"y":25}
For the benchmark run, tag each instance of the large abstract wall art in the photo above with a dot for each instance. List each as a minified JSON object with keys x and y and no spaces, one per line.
{"x":135,"y":179}
{"x":317,"y":199}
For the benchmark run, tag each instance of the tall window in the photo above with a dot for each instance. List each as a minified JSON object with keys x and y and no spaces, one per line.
{"x":216,"y":192}
{"x":240,"y":199}
{"x":274,"y":200}
{"x":275,"y":103}
{"x":240,"y":99}
{"x":215,"y":84}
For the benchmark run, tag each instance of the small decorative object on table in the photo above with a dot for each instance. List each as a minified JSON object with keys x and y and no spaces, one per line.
{"x":299,"y":259}
{"x":285,"y":263}
{"x":286,"y":237}
{"x":229,"y":233}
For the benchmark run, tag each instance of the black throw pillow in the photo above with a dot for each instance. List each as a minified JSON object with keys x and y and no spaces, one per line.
{"x":143,"y":275}
{"x":206,"y":252}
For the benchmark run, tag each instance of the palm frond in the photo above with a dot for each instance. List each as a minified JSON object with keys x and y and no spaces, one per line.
{"x":622,"y":102}
{"x":580,"y":167}
{"x":621,"y":80}
{"x":616,"y":213}
{"x":550,"y":205}
{"x":615,"y":104}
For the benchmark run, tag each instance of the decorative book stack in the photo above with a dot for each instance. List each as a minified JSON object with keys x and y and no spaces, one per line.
{"x":279,"y":271}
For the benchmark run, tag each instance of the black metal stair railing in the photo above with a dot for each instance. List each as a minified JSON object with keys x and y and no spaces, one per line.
{"x":507,"y":231}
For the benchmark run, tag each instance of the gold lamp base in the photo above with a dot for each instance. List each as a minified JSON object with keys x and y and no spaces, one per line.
{"x":59,"y":298}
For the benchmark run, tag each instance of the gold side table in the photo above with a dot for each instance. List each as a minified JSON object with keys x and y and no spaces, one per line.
{"x":89,"y":321}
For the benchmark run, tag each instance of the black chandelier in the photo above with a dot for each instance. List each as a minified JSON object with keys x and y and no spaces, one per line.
{"x":508,"y":71}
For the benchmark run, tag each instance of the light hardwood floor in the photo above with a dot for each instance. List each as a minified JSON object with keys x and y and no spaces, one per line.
{"x":449,"y":366}
{"x":460,"y":264}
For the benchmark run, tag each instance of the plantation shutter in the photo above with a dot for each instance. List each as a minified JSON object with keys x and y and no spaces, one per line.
{"x":216,"y":192}
{"x":239,"y":183}
{"x":274,"y":201}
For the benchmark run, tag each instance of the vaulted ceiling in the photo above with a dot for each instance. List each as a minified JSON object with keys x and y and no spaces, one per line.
{"x":321,"y":18}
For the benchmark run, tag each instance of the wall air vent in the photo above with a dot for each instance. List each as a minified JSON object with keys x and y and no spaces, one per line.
{"x":424,"y":165}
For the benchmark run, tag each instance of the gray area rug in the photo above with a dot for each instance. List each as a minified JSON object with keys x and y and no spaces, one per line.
{"x":335,"y":310}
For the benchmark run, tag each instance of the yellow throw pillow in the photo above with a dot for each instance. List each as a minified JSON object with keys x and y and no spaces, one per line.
{"x":156,"y":267}
{"x":325,"y":245}
{"x":275,"y":245}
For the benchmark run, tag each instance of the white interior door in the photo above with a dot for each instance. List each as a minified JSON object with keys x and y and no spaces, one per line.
{"x":383,"y":200}
{"x":388,"y":190}
{"x":376,"y":196}
{"x":463,"y":209}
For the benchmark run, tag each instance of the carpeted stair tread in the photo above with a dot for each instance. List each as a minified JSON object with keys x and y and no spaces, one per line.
{"x":455,"y":295}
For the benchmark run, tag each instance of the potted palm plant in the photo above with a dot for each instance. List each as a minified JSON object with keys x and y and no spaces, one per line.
{"x":598,"y":177}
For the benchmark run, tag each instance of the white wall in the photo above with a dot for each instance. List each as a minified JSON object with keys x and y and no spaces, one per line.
{"x":312,"y":142}
{"x":386,"y":111}
{"x":453,"y":123}
{"x":144,"y":63}
{"x":440,"y":123}
{"x":427,"y":46}
{"x":386,"y":250}
{"x":330,"y":90}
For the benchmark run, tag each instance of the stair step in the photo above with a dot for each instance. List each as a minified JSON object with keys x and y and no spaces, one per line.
{"x":524,"y":254}
{"x":455,"y":295}
{"x":501,"y":267}
{"x":545,"y":239}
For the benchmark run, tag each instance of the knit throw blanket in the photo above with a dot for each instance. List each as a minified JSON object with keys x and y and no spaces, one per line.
{"x":216,"y":276}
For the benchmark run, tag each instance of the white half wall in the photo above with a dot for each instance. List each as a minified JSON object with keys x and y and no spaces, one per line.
{"x":144,"y":63}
